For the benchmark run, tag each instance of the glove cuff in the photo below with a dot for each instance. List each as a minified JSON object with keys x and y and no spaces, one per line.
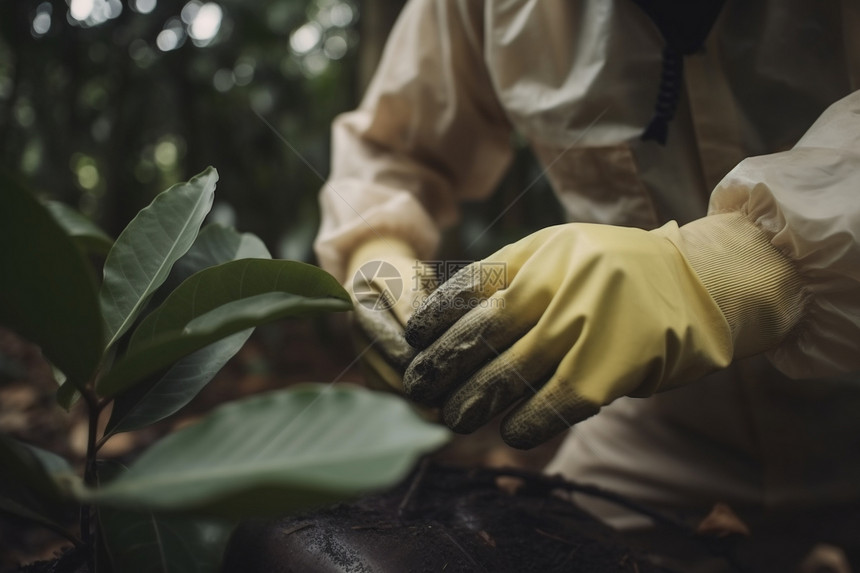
{"x":757,"y":288}
{"x":416,"y":278}
{"x":395,"y":251}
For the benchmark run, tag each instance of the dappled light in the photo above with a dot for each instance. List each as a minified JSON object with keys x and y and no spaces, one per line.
{"x":42,"y":19}
{"x":93,"y":12}
{"x":306,"y":38}
{"x":81,"y":9}
{"x":143,"y":6}
{"x":124,"y":81}
{"x":326,"y":36}
{"x":171,"y":37}
{"x":205,"y":23}
{"x":148,"y":90}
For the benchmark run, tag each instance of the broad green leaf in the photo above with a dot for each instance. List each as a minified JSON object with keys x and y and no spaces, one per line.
{"x":16,"y":509}
{"x":145,"y":251}
{"x":278,"y":452}
{"x":147,"y":403}
{"x":67,"y":395}
{"x":83,"y":231}
{"x":48,"y":289}
{"x":216,"y":244}
{"x":154,"y":400}
{"x":157,"y":353}
{"x":233,"y":281}
{"x":146,"y":542}
{"x":34,"y":467}
{"x":33,"y":478}
{"x":56,"y":466}
{"x":164,"y":336}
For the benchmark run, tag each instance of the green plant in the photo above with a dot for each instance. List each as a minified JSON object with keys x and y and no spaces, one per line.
{"x":173,"y":306}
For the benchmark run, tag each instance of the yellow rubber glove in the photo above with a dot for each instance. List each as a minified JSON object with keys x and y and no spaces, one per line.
{"x":572,"y":317}
{"x":387,"y":283}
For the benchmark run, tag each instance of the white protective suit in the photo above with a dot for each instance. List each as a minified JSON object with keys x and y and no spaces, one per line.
{"x":578,"y":79}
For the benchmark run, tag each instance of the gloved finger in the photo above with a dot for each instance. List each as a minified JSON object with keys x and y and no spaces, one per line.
{"x":450,"y":302}
{"x":504,"y":381}
{"x":576,"y":390}
{"x":472,"y":341}
{"x":517,"y":372}
{"x":383,"y":330}
{"x":554,"y":409}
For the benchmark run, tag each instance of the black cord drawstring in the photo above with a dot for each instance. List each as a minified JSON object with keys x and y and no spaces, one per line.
{"x":684,"y":25}
{"x":671,"y":80}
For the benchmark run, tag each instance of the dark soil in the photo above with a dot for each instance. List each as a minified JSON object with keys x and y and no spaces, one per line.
{"x":277,"y":356}
{"x":441,"y":519}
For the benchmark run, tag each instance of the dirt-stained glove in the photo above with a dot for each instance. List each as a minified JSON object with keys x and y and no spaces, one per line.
{"x":572,"y":317}
{"x":387,"y":283}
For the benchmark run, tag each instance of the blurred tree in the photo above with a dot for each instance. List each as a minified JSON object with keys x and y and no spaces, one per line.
{"x":105,"y":103}
{"x":377,"y":21}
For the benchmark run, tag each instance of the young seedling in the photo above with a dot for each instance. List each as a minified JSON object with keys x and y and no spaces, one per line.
{"x":175,"y":303}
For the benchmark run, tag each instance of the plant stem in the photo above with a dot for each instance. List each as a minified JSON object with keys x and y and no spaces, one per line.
{"x":93,"y":411}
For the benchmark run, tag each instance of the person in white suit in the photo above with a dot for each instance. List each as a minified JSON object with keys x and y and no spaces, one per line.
{"x":708,"y":159}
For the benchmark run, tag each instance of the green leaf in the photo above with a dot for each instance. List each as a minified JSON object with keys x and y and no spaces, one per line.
{"x":145,"y":251}
{"x":33,"y":467}
{"x":34,"y":479}
{"x":233,"y":281}
{"x":48,"y":289}
{"x":16,"y":509}
{"x":85,"y":233}
{"x":146,"y":542}
{"x":218,"y":302}
{"x":278,"y":452}
{"x":227,"y":319}
{"x":67,"y":395}
{"x":215,"y":245}
{"x":145,"y":404}
{"x":154,"y":400}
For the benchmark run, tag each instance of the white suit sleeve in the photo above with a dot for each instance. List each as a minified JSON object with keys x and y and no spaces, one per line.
{"x":807,"y":200}
{"x":428,"y":134}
